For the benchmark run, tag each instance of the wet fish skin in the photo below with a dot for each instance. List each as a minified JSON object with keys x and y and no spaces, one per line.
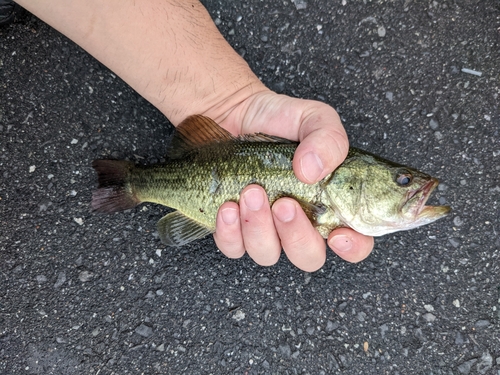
{"x":207,"y":167}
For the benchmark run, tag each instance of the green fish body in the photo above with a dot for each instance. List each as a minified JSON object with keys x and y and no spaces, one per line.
{"x":207,"y":166}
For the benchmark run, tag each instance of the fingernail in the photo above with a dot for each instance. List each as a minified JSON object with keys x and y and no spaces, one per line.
{"x":341,"y":243}
{"x":254,"y":199}
{"x":284,"y":211}
{"x":229,"y":216}
{"x":311,"y":167}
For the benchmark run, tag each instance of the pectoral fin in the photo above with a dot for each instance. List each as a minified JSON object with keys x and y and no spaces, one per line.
{"x":312,"y":210}
{"x":321,"y":217}
{"x":176,"y":229}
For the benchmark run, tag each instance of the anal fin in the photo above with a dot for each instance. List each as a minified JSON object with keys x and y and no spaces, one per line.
{"x":176,"y":229}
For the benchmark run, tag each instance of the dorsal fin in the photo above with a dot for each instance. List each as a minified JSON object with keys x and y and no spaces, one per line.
{"x":197,"y":131}
{"x":262,"y":137}
{"x":194,"y":132}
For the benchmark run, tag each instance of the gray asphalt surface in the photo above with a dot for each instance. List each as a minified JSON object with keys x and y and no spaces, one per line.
{"x":91,"y":294}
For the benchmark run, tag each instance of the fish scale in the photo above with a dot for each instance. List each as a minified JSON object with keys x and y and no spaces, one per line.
{"x":217,"y":176}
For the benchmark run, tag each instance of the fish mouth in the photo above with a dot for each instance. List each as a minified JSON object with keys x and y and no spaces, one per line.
{"x":418,"y":198}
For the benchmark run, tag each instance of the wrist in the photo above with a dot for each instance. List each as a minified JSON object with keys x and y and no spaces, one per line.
{"x":216,"y":93}
{"x":227,"y":110}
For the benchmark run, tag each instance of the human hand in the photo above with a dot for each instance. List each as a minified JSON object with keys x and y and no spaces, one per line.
{"x":255,"y":227}
{"x":206,"y":76}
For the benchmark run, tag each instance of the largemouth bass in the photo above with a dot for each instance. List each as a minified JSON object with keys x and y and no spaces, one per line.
{"x":208,"y":166}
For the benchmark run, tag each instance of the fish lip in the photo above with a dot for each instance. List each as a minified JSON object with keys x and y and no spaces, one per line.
{"x":427,"y":190}
{"x":424,"y":192}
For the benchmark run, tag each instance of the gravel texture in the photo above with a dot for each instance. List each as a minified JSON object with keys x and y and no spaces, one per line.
{"x":414,"y":81}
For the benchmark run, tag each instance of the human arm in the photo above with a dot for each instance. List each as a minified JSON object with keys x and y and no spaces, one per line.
{"x":172,"y":54}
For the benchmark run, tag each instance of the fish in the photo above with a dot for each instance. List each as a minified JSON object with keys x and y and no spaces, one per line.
{"x":207,"y":166}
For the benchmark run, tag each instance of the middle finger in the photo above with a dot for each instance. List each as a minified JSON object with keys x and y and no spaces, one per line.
{"x":257,"y":226}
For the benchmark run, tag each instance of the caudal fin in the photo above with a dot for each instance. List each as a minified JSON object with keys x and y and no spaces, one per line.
{"x":114,"y":193}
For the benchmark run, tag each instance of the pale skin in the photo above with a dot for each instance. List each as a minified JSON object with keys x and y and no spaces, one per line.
{"x":172,"y":54}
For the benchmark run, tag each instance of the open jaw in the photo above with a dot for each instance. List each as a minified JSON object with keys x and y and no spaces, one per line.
{"x":417,"y":199}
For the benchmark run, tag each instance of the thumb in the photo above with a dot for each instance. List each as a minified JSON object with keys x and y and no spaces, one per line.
{"x":323,"y":143}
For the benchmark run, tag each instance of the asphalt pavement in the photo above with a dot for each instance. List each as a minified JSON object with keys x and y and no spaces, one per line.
{"x":417,"y":82}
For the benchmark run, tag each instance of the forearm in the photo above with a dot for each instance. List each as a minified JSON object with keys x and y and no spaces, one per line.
{"x":169,"y":51}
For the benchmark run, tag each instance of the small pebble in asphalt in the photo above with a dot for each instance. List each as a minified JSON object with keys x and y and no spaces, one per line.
{"x":144,"y":331}
{"x":61,"y":278}
{"x":460,"y":339}
{"x":41,"y":279}
{"x":465,"y":367}
{"x":330,"y":326}
{"x":383,"y":329}
{"x":239,"y":315}
{"x":433,"y":124}
{"x":482,"y":323}
{"x":429,"y":317}
{"x":285,"y":350}
{"x":300,"y":4}
{"x":85,"y":276}
{"x":485,"y":363}
{"x":455,"y":242}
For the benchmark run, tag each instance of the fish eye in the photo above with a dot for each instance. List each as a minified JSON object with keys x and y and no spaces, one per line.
{"x":404,"y":178}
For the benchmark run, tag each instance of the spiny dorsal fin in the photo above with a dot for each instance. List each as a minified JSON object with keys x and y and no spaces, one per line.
{"x":197,"y":131}
{"x":194,"y":132}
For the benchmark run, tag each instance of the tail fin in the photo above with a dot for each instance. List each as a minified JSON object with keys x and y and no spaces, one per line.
{"x":114,"y":192}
